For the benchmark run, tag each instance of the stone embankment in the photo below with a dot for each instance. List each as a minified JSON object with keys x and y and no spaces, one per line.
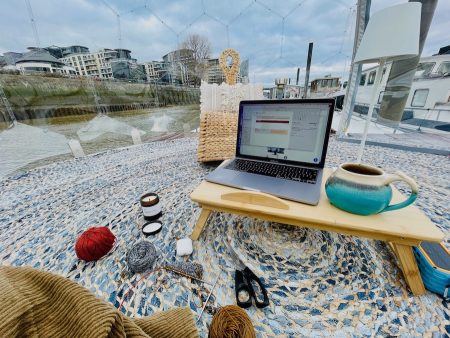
{"x":34,"y":96}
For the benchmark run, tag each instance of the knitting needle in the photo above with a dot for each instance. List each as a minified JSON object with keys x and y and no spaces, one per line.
{"x":185,"y":274}
{"x":207,"y":299}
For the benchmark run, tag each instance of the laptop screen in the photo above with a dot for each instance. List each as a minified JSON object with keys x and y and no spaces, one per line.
{"x":285,"y":131}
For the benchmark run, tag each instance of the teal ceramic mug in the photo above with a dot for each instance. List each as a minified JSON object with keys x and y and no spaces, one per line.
{"x":365,"y":190}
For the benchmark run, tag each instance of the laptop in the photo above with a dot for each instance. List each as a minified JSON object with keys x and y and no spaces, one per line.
{"x":280,"y":149}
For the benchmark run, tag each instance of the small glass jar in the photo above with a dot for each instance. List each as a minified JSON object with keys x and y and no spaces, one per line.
{"x":151,"y":206}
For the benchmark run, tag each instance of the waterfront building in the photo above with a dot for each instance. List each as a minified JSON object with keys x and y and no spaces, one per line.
{"x":105,"y":63}
{"x":180,"y":66}
{"x":214,"y":73}
{"x":127,"y":70}
{"x":156,"y":71}
{"x":137,"y":72}
{"x":40,"y":60}
{"x":91,"y":64}
{"x":243,"y":72}
{"x":324,"y":86}
{"x":125,"y":67}
{"x":120,"y":69}
{"x":12,"y":57}
{"x":61,"y":52}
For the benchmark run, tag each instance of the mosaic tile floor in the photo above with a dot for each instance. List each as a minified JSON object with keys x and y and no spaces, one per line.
{"x":320,"y":284}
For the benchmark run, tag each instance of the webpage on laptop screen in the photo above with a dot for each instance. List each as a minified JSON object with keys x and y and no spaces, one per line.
{"x":292,"y":132}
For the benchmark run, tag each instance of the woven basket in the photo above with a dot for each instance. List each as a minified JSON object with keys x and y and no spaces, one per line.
{"x":217,"y":137}
{"x":432,"y":259}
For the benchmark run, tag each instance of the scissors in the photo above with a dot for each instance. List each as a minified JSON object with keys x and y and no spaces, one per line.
{"x":244,"y":278}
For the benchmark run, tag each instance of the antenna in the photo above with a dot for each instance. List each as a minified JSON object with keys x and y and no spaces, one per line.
{"x":33,"y":24}
{"x":119,"y":30}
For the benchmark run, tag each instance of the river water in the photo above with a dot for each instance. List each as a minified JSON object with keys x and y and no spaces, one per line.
{"x":43,"y":141}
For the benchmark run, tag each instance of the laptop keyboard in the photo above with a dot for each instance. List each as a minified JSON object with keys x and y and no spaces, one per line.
{"x":298,"y":174}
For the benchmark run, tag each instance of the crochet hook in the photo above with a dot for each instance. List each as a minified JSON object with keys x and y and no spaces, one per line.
{"x":207,"y":299}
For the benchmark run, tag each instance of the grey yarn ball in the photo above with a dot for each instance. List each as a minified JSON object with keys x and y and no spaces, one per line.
{"x":141,"y":257}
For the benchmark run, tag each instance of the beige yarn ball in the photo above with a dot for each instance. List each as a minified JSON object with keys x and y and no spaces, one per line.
{"x":231,"y":322}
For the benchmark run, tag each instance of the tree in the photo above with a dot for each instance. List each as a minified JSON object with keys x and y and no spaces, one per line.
{"x":201,"y":50}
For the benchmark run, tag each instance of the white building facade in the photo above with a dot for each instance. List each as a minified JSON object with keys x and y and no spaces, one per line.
{"x":41,"y":61}
{"x":96,"y":64}
{"x":155,"y":71}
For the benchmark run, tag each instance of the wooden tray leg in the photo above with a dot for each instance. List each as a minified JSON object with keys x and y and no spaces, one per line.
{"x":409,"y":267}
{"x":200,"y":224}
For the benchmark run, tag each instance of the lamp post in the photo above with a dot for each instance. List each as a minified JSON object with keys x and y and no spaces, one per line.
{"x":391,"y":34}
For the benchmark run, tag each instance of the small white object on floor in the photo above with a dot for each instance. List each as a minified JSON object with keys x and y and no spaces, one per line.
{"x":184,"y":247}
{"x":76,"y":148}
{"x":136,"y":136}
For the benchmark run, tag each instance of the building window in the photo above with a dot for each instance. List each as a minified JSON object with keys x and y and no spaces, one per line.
{"x":444,"y":68}
{"x":362,"y":81}
{"x":424,"y":69}
{"x":419,"y":98}
{"x":380,"y":97}
{"x":371,"y":79}
{"x":37,"y":69}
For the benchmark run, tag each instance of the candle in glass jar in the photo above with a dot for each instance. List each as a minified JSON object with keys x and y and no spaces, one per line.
{"x":151,"y":206}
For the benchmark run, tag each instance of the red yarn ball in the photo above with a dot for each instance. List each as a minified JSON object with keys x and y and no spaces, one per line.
{"x":94,"y":243}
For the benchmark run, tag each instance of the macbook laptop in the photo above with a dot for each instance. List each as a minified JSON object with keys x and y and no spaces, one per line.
{"x":280,"y":149}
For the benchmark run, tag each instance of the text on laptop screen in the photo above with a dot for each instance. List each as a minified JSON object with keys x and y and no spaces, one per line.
{"x":291,"y":132}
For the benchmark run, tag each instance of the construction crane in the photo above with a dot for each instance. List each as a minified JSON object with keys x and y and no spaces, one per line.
{"x":119,"y":30}
{"x":33,"y":24}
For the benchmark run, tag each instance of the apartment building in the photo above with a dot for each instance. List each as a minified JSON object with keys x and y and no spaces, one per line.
{"x":61,"y":52}
{"x":214,"y":73}
{"x":92,"y":64}
{"x":157,"y":71}
{"x":105,"y":64}
{"x":180,"y":65}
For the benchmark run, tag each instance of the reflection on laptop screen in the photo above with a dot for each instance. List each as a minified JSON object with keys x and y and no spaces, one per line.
{"x":287,"y":131}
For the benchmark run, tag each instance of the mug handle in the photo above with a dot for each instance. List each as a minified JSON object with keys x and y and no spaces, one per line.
{"x":400,"y":176}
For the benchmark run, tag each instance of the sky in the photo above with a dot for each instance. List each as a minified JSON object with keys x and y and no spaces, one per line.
{"x":273,"y":35}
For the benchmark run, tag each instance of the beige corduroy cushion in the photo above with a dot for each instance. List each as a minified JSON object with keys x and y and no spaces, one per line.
{"x":40,"y":304}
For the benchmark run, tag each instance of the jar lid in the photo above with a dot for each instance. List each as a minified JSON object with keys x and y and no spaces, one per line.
{"x":151,"y":228}
{"x":149,"y":199}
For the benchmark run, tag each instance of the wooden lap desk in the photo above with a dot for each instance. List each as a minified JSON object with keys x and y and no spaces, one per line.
{"x":402,"y":228}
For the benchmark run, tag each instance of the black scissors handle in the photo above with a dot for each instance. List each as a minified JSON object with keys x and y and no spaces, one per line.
{"x":243,"y":287}
{"x":243,"y":290}
{"x":250,"y":276}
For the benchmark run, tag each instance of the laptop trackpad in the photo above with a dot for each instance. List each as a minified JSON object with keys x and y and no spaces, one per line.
{"x":297,"y":191}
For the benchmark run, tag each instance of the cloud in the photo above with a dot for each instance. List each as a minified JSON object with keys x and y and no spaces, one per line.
{"x":273,"y":35}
